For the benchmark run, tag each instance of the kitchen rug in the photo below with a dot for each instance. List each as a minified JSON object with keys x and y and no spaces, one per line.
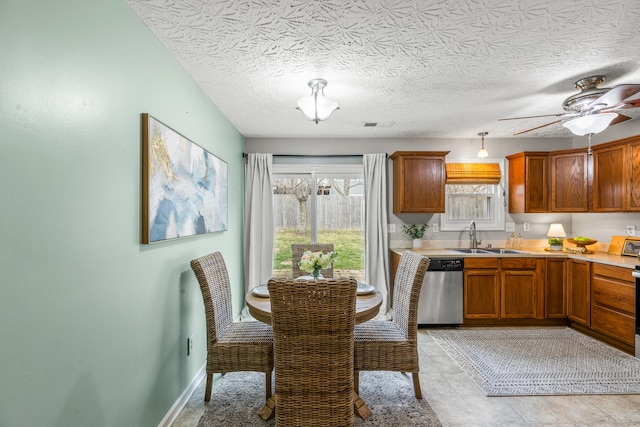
{"x":238,"y":397}
{"x":539,"y":361}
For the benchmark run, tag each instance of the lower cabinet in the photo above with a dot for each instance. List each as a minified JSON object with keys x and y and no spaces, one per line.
{"x":481,"y":288}
{"x":579,"y":291}
{"x":555,"y":289}
{"x":613,"y":302}
{"x":504,"y":288}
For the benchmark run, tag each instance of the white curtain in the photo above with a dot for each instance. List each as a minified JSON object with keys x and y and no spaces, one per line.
{"x":376,"y":244}
{"x":258,"y":221}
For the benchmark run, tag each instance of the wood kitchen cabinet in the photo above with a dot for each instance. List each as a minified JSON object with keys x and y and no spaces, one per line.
{"x":633,"y":154}
{"x":610,"y":178}
{"x":556,"y":288}
{"x":569,"y":180}
{"x":481,"y":288}
{"x":613,"y":302}
{"x":521,"y":288}
{"x":579,"y":291}
{"x":528,"y":182}
{"x":419,"y":181}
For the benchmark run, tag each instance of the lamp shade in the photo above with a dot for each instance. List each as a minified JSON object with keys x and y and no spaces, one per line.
{"x":556,"y":230}
{"x":483,"y":153}
{"x":316,"y":107}
{"x":590,"y":124}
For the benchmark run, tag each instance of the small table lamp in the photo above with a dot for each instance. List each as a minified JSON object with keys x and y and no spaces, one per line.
{"x":555,"y":234}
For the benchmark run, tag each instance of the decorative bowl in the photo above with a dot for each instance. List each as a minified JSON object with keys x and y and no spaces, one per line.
{"x":582,"y":243}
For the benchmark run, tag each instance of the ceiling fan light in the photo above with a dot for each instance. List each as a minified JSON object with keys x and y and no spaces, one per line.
{"x":317,"y":107}
{"x":590,"y":124}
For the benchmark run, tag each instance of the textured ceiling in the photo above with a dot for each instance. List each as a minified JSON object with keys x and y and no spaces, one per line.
{"x":437,"y":69}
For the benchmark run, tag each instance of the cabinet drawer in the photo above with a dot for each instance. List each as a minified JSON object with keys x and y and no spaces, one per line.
{"x":616,"y":295}
{"x":472,"y":262}
{"x":620,"y":273}
{"x":616,"y":325}
{"x":518,"y":263}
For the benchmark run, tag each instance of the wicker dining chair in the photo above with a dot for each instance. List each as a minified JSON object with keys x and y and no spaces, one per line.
{"x":313,"y":347}
{"x":393,"y":345}
{"x":297,"y":249}
{"x":231,"y":346}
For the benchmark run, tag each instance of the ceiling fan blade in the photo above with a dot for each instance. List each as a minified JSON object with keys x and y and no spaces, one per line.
{"x":615,"y":95}
{"x":537,"y":127}
{"x":625,"y":105}
{"x":621,"y":118}
{"x":534,"y":117}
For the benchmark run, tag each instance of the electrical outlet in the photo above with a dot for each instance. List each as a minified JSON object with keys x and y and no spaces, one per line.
{"x":189,"y":345}
{"x":391,"y":228}
{"x":435,"y":227}
{"x":510,"y":226}
{"x":631,"y":230}
{"x":525,"y":226}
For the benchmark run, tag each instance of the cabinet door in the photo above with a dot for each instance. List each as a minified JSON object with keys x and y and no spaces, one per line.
{"x":579,"y":292}
{"x":569,"y":182}
{"x":633,"y":198}
{"x":609,"y":179}
{"x":481,"y":294}
{"x":528,"y":182}
{"x":519,"y":296}
{"x":418,"y":182}
{"x":555,"y":289}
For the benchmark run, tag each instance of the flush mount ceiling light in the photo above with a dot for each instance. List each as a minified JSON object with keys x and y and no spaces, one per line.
{"x":483,"y":153}
{"x":317,"y":107}
{"x":590,"y":124}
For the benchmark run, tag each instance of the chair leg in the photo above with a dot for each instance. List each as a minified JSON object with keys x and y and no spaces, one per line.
{"x":207,"y":392}
{"x":268,"y":384}
{"x":356,"y":381}
{"x":416,"y":385}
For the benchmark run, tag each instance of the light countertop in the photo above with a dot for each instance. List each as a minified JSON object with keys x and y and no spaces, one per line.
{"x":600,"y":257}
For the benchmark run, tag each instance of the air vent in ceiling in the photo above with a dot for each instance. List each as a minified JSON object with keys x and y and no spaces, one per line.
{"x":379,"y":124}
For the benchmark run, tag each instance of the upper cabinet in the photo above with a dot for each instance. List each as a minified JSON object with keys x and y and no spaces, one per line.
{"x":569,"y":181}
{"x":418,"y":181}
{"x":574,"y":181}
{"x":616,"y":176}
{"x":528,"y":182}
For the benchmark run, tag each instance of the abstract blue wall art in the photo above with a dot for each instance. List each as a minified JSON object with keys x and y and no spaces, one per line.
{"x":184,"y":187}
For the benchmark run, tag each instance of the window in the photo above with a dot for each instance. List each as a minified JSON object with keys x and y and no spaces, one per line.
{"x":319,"y":204}
{"x":479,"y":202}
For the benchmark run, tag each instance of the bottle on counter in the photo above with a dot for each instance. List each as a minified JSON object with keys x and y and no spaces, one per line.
{"x":510,"y":240}
{"x":519,"y":241}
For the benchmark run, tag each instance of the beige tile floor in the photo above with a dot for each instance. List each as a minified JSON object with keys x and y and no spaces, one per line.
{"x":459,"y":402}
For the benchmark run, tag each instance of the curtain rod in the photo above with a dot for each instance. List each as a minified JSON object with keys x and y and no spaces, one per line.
{"x":316,"y":155}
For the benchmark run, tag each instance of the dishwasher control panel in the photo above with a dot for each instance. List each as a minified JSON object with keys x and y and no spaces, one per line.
{"x":446,"y":264}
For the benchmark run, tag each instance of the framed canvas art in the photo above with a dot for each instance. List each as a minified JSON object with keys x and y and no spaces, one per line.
{"x":184,"y":187}
{"x":631,"y":247}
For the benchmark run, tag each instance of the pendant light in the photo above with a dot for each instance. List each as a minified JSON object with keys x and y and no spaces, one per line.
{"x":316,"y":107}
{"x":483,"y":153}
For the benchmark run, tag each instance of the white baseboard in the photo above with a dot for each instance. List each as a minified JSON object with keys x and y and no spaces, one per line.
{"x":179,"y":404}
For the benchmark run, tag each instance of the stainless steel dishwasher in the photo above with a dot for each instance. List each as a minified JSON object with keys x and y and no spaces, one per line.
{"x":441,"y":294}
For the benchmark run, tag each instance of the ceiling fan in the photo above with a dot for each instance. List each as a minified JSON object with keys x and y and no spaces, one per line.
{"x":593,"y":108}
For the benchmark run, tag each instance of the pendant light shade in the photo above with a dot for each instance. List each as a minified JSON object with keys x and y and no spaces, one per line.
{"x":317,"y":107}
{"x":590,"y":124}
{"x":483,"y":153}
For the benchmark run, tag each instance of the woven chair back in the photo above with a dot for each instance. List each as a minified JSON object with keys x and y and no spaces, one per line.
{"x":211,"y":272}
{"x":313,"y":330}
{"x":407,"y":285}
{"x":297,"y":249}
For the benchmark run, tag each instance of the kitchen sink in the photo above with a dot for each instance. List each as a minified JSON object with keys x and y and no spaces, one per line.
{"x":487,"y":251}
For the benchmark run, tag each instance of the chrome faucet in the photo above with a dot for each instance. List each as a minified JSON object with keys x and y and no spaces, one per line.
{"x":473,"y":236}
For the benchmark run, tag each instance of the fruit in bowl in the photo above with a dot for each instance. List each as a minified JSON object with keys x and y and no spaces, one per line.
{"x":582,"y":241}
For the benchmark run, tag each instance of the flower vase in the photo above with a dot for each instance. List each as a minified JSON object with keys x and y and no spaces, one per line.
{"x":316,"y":274}
{"x":417,"y":243}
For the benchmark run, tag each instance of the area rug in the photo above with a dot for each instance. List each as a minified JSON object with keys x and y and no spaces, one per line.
{"x":540,"y":361}
{"x":238,"y":397}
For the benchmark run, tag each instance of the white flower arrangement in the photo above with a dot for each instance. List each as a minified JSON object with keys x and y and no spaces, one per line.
{"x":313,"y":262}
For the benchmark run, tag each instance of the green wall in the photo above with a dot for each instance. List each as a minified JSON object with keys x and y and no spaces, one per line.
{"x":93,"y":324}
